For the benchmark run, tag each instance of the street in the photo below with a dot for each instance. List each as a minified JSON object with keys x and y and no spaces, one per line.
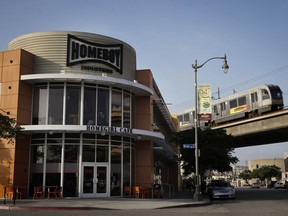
{"x":256,"y":202}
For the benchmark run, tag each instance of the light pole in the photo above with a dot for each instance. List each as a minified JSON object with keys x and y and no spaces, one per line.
{"x":225,"y":67}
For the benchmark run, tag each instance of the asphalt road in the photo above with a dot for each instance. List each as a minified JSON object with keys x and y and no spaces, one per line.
{"x":256,"y":202}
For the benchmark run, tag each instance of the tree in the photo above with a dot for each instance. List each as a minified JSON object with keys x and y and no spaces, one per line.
{"x":267,"y":172}
{"x":215,"y":150}
{"x":246,"y":175}
{"x":9,"y":129}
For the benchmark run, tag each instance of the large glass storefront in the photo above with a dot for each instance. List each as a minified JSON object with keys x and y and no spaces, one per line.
{"x":83,"y":164}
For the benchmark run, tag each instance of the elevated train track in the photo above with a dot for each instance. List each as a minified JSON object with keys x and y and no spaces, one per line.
{"x":265,"y":129}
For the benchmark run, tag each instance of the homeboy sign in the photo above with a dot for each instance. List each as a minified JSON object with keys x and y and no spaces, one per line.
{"x":98,"y":128}
{"x":79,"y":51}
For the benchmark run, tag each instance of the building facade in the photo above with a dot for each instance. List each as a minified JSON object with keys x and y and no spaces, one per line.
{"x":91,"y":122}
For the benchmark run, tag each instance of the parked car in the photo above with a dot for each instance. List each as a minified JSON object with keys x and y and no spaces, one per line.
{"x":219,"y":189}
{"x":279,"y":185}
{"x":255,"y":185}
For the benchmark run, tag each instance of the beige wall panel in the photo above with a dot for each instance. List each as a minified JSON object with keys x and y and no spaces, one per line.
{"x":9,"y":101}
{"x":9,"y":88}
{"x":11,"y":73}
{"x":12,"y":112}
{"x":11,"y":58}
{"x":1,"y":69}
{"x":1,"y":58}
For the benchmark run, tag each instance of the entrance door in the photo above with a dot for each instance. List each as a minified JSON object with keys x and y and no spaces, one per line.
{"x":94,"y":181}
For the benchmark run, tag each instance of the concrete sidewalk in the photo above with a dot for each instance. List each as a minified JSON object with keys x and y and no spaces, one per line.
{"x":181,"y":199}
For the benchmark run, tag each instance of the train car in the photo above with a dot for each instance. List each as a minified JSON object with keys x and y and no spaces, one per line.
{"x":247,"y":104}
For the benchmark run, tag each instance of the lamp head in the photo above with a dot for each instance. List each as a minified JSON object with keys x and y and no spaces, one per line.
{"x":225,"y":66}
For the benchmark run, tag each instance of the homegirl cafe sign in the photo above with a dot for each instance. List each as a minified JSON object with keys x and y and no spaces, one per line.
{"x":97,"y":128}
{"x":80,"y":51}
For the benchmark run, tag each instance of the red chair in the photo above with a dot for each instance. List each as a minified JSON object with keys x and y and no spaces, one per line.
{"x":9,"y":193}
{"x":55,"y":191}
{"x":38,"y":193}
{"x":127,"y":191}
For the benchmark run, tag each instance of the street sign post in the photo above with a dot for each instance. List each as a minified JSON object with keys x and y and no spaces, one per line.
{"x":188,"y":146}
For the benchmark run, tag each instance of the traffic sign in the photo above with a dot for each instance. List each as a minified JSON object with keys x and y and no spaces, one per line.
{"x":188,"y":146}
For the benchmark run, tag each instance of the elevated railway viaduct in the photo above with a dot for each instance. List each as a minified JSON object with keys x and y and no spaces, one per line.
{"x":265,"y":129}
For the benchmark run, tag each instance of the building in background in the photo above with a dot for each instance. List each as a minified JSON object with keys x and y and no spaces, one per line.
{"x":92,"y":122}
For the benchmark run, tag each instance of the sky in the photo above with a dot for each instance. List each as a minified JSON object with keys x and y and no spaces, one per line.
{"x":168,"y":37}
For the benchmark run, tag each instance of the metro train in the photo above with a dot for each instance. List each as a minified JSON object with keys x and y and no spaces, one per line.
{"x":246,"y":104}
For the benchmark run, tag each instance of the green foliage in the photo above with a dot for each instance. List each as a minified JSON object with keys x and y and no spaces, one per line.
{"x":246,"y":175}
{"x":215,"y":150}
{"x":9,"y":128}
{"x":266,"y":172}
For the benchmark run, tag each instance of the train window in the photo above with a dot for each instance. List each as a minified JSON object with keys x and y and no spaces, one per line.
{"x":180,"y":119}
{"x":186,"y":119}
{"x":233,"y":103}
{"x":265,"y":94}
{"x":242,"y":101}
{"x":215,"y":109}
{"x":223,"y":106}
{"x":254,"y":97}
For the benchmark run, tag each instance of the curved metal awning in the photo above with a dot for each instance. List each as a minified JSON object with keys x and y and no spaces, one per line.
{"x":135,"y":87}
{"x":137,"y":134}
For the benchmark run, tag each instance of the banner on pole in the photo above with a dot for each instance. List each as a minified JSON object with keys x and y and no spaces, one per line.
{"x":204,"y":101}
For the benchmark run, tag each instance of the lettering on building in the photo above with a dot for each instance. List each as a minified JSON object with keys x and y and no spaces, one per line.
{"x":97,"y":128}
{"x":80,"y":51}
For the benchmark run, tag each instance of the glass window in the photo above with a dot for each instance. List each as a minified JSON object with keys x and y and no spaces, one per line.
{"x":55,"y":138}
{"x":71,"y":170}
{"x":265,"y":94}
{"x":223,"y":106}
{"x":115,"y":171}
{"x":37,"y":154}
{"x":73,"y":105}
{"x":103,"y":107}
{"x":180,"y":119}
{"x":126,"y":166}
{"x":254,"y":97}
{"x":127,"y":111}
{"x":215,"y":110}
{"x":116,"y":109}
{"x":102,"y":154}
{"x":241,"y":101}
{"x":88,"y":153}
{"x":233,"y":103}
{"x":71,"y":154}
{"x":72,"y":138}
{"x":39,"y":105}
{"x":89,"y":138}
{"x":186,"y":119}
{"x":54,"y":153}
{"x":116,"y":140}
{"x":89,"y":114}
{"x":55,"y":115}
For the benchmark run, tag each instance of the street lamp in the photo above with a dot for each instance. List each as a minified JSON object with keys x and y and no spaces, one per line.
{"x":225,"y":67}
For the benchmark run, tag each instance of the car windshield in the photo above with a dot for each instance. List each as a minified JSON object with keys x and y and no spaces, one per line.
{"x":220,"y":184}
